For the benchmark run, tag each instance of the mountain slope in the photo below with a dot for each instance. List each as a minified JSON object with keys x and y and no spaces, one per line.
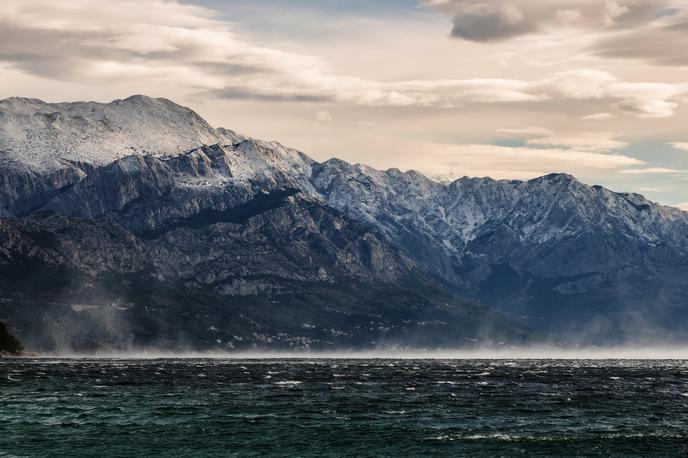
{"x":570,"y":260}
{"x":292,"y":275}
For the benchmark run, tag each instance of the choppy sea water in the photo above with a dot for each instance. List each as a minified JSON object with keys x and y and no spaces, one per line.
{"x":341,"y":407}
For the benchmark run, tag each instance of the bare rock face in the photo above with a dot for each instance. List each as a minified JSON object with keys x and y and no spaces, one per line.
{"x":179,"y":227}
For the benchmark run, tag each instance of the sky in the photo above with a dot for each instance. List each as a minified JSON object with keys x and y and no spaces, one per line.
{"x":509,"y":89}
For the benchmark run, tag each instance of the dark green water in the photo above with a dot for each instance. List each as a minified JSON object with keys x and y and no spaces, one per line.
{"x":72,"y":408}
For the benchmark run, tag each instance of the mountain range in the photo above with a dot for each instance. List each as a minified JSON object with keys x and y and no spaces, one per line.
{"x":135,"y":224}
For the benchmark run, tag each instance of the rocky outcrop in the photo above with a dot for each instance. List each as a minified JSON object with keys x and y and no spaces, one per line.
{"x":9,"y":345}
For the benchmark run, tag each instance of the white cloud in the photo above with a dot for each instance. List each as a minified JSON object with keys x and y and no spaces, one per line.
{"x":599,"y":117}
{"x":682,"y":206}
{"x":642,"y":99}
{"x":646,"y":100}
{"x":680,"y":145}
{"x":586,"y":141}
{"x":525,"y":132}
{"x":579,"y":140}
{"x":612,"y":11}
{"x":324,"y":117}
{"x":515,"y":162}
{"x":110,"y":41}
{"x":650,"y":170}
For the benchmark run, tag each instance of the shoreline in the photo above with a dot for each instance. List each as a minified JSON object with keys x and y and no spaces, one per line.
{"x":589,"y":354}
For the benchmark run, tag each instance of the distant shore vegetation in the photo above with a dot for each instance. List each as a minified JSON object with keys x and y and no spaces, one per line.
{"x":9,"y":345}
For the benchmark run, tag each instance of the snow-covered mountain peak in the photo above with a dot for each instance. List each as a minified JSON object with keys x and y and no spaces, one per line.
{"x":40,"y":135}
{"x":556,"y":177}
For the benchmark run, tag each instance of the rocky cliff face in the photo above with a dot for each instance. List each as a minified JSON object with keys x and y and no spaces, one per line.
{"x":109,"y":194}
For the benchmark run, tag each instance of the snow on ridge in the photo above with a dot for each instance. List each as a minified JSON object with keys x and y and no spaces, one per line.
{"x":41,"y":135}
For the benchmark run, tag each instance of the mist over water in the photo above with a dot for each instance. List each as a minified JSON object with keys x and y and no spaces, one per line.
{"x":487,"y":353}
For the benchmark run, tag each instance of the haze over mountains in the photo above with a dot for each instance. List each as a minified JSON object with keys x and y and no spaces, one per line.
{"x":135,"y":223}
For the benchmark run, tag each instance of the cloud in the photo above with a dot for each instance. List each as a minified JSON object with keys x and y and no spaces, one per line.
{"x":641,"y":99}
{"x":619,"y":29}
{"x":646,"y":100}
{"x":680,"y":145}
{"x":326,"y":87}
{"x":586,"y":141}
{"x":324,"y":117}
{"x":485,"y":21}
{"x":111,"y":41}
{"x":517,"y":162}
{"x":661,"y":41}
{"x":267,"y":94}
{"x":682,"y":206}
{"x":525,"y":132}
{"x":650,"y":170}
{"x":598,"y":117}
{"x":489,"y":22}
{"x":104,"y":41}
{"x":580,"y":140}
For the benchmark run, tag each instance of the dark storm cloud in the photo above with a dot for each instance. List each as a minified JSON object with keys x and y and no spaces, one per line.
{"x":486,"y":21}
{"x":490,"y":23}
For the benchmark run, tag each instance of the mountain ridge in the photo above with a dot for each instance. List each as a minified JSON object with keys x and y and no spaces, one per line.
{"x":553,"y":253}
{"x":223,"y":135}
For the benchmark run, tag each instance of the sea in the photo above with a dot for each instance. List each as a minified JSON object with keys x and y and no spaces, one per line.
{"x":349,"y":407}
